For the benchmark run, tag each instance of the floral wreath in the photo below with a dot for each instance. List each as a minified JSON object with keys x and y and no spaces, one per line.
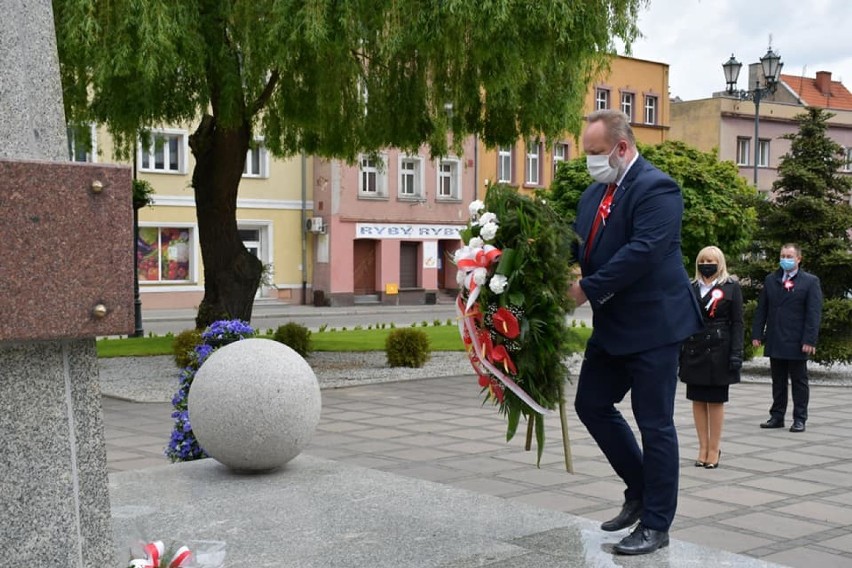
{"x":183,"y":445}
{"x":513,"y":276}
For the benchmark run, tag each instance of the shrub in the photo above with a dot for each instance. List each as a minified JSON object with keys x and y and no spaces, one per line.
{"x":184,"y":346}
{"x":835,"y":333}
{"x":295,"y":336}
{"x":407,"y":348}
{"x":748,"y":317}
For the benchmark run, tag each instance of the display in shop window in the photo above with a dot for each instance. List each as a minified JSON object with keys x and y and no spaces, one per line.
{"x":163,"y":254}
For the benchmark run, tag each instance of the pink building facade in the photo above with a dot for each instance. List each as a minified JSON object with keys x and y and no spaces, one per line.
{"x":385,"y":229}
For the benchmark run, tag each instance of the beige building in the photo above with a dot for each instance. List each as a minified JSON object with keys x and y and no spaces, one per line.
{"x":727,"y":124}
{"x":274,"y":199}
{"x":638,"y":87}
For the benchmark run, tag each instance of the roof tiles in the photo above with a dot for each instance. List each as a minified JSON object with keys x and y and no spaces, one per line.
{"x":838,"y":96}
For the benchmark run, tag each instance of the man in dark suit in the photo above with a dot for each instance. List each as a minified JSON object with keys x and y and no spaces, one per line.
{"x":628,"y":225}
{"x":787,"y":319}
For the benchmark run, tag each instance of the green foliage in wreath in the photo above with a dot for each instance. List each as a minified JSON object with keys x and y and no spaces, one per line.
{"x":534,"y":243}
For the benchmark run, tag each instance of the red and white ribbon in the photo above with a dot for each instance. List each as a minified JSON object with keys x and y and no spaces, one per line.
{"x":715,"y":296}
{"x":153,"y":554}
{"x":480,"y":362}
{"x":474,"y":262}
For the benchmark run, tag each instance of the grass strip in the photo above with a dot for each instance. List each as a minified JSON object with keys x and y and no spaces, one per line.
{"x":442,"y":338}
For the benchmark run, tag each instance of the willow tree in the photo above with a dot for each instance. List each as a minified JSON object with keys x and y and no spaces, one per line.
{"x":332,"y":78}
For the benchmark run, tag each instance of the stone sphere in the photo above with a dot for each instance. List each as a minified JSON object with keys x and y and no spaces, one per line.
{"x":254,"y":404}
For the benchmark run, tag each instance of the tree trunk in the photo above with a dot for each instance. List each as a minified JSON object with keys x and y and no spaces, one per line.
{"x":231,"y":273}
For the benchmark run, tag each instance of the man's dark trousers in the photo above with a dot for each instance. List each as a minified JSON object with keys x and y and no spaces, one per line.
{"x":651,"y":378}
{"x":797,"y":370}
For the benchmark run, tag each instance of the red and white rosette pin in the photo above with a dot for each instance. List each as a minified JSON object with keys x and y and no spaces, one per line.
{"x":788,"y":284}
{"x":715,"y":296}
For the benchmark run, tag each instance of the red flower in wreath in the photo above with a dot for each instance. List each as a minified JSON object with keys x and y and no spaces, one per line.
{"x":495,"y":389}
{"x":506,"y":323}
{"x":499,"y":356}
{"x":485,"y":343}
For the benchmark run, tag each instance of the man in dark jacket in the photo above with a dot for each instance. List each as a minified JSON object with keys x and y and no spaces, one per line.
{"x":787,"y":324}
{"x":644,"y":308}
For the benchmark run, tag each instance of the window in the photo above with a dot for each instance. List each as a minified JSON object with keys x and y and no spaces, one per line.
{"x":410,"y":182}
{"x":504,"y":164}
{"x":372,"y":180}
{"x":627,"y":101}
{"x":763,"y":153}
{"x":743,"y":151}
{"x":560,"y":154}
{"x":165,"y":152}
{"x":533,"y":163}
{"x":650,"y":109}
{"x":257,"y":161}
{"x":164,"y":254}
{"x":448,"y":179}
{"x":601,"y":99}
{"x":847,"y":160}
{"x":81,"y":143}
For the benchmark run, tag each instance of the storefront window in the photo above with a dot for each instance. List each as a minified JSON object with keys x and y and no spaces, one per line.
{"x":164,"y":254}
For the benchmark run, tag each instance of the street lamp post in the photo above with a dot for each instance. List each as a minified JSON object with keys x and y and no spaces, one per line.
{"x":770,"y":65}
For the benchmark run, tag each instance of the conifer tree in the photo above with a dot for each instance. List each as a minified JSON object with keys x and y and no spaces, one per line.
{"x":810,"y":207}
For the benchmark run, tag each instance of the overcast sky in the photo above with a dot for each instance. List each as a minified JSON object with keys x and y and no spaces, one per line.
{"x":696,"y":36}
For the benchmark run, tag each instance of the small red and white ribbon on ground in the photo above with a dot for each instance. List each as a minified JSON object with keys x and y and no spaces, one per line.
{"x":153,"y":554}
{"x":715,"y":296}
{"x":479,"y":359}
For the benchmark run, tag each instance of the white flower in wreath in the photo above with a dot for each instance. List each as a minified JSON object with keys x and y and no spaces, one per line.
{"x":461,"y":276}
{"x":488,"y":231}
{"x":476,"y":242}
{"x":498,"y":283}
{"x":480,"y":275}
{"x":461,"y":252}
{"x":488,"y":217}
{"x":475,"y":207}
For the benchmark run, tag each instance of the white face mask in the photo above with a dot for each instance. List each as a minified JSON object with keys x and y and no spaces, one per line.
{"x":600,"y":168}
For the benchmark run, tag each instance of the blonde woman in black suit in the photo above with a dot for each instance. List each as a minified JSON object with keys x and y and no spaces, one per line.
{"x":711,"y":360}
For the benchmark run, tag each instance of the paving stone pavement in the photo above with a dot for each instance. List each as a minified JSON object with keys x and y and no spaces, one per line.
{"x":778,"y":496}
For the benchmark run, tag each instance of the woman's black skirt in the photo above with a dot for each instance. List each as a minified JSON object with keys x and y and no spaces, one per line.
{"x":701,"y":393}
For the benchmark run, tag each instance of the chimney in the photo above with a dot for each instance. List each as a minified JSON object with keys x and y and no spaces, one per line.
{"x":823,"y":82}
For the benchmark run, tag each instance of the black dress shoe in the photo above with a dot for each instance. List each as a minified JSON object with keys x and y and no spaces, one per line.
{"x":642,"y":541}
{"x":773,"y":423}
{"x":630,"y":513}
{"x":798,"y":426}
{"x":709,"y":465}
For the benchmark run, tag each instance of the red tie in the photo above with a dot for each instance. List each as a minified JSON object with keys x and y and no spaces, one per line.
{"x":601,"y":215}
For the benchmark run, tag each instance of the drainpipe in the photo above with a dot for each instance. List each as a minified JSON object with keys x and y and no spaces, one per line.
{"x":304,"y":232}
{"x":475,"y":167}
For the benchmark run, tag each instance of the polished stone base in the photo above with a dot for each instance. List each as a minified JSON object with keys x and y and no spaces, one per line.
{"x":319,"y":513}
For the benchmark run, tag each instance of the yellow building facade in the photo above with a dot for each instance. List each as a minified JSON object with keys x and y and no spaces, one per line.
{"x":638,"y":87}
{"x":274,"y":200}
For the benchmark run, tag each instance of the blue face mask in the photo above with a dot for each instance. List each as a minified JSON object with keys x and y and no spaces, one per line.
{"x":787,"y":264}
